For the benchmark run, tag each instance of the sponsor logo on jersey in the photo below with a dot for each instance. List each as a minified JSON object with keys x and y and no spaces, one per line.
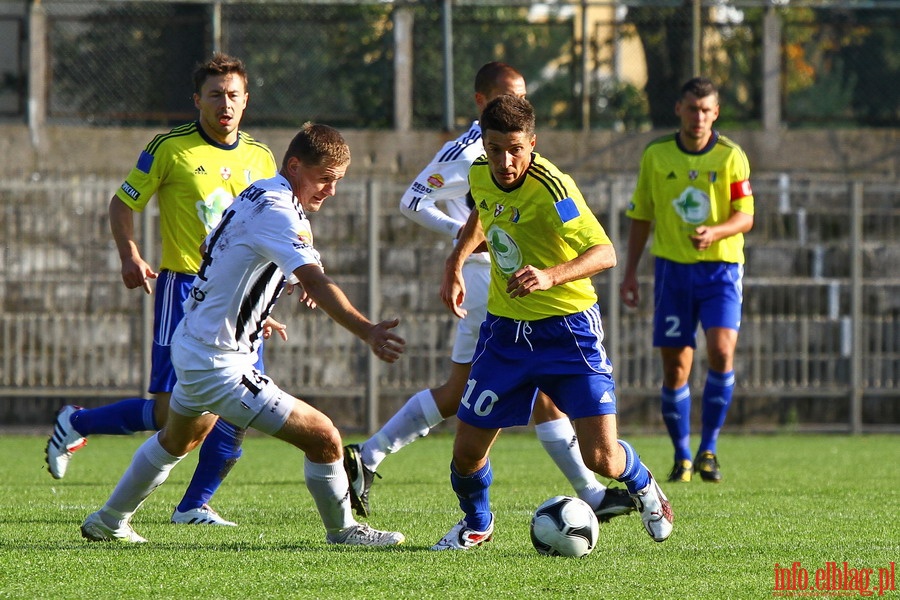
{"x":225,"y":172}
{"x":514,"y":217}
{"x":483,"y":205}
{"x":419,"y":188}
{"x":504,"y":251}
{"x":713,"y":176}
{"x":693,"y":206}
{"x":436,"y":180}
{"x":132,"y":193}
{"x":200,"y":170}
{"x":671,"y":175}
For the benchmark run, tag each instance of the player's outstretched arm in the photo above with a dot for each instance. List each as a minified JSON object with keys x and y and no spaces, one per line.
{"x":387,"y":345}
{"x":135,"y":270}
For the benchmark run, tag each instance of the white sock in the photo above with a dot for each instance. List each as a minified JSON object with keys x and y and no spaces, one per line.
{"x":413,"y":421}
{"x":559,"y":440}
{"x":148,"y":470}
{"x":330,"y":489}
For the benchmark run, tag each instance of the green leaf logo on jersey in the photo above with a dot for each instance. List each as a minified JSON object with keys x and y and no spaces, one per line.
{"x":504,"y":250}
{"x":692,"y":206}
{"x":210,"y":209}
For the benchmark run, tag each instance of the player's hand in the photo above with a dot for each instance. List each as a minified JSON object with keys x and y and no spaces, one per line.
{"x":703,"y":238}
{"x":453,"y":291}
{"x":271,"y":326}
{"x":630,"y":292}
{"x":136,"y":274}
{"x":526,"y":280}
{"x":303,"y":297}
{"x":387,"y":345}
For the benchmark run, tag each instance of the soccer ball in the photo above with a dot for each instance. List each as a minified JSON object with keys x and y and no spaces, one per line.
{"x":564,"y":526}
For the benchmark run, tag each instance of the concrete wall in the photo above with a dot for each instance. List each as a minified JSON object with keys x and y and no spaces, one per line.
{"x":64,"y":150}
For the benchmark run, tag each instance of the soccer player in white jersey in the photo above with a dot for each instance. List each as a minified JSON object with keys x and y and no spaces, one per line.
{"x":262,"y":238}
{"x":445,"y":181}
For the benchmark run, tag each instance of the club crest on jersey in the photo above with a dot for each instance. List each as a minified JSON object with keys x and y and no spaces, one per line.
{"x":693,"y":206}
{"x":436,"y":180}
{"x":692,"y":174}
{"x":713,"y":176}
{"x":514,"y":215}
{"x":505,"y":253}
{"x":498,"y":208}
{"x":225,"y":172}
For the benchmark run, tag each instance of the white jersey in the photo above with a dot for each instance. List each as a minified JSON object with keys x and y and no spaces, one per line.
{"x":446,"y":180}
{"x":263,"y":235}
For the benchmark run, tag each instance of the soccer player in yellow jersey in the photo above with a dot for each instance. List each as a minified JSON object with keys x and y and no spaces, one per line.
{"x":543,"y":330}
{"x":195,"y":171}
{"x":694,"y":187}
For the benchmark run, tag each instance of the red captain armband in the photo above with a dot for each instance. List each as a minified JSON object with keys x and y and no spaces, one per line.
{"x":740,"y":189}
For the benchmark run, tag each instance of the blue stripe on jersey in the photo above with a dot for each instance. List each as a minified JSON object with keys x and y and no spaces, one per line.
{"x":460,"y":145}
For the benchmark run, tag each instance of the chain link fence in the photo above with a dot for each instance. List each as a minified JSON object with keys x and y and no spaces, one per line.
{"x":589,"y":64}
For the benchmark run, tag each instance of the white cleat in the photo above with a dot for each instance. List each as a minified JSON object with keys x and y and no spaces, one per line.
{"x":463,"y":537}
{"x":205,"y":515}
{"x":363,"y":535}
{"x":95,"y":530}
{"x":656,"y":512}
{"x":64,"y":441}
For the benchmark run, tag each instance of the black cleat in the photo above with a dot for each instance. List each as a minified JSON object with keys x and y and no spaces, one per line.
{"x":681,"y":472}
{"x":616,"y":502}
{"x":707,"y":465}
{"x":361,"y":479}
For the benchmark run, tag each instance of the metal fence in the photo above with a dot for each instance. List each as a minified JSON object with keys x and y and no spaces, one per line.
{"x":375,"y":64}
{"x":819,"y":346}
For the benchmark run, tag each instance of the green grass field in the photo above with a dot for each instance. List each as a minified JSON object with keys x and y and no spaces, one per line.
{"x":803,"y":498}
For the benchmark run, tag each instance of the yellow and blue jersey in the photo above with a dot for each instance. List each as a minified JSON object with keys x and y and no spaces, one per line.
{"x":680,"y":191}
{"x":543,"y":222}
{"x":195,"y":179}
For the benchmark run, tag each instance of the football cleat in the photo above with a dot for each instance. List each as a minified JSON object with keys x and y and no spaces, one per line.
{"x":462,"y":537}
{"x":681,"y":472}
{"x":64,"y":441}
{"x":205,"y":515}
{"x":95,"y":530}
{"x":707,"y":465}
{"x":656,"y":512}
{"x":361,"y":478}
{"x":616,"y":502}
{"x":363,"y":535}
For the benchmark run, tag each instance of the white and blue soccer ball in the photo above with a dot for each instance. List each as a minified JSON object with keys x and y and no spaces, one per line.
{"x":564,"y":526}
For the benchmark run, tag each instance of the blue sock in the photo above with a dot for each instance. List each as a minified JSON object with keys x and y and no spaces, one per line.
{"x":121,"y":418}
{"x":472,"y":492}
{"x":219,"y":452}
{"x":635,"y":476}
{"x":676,"y":412}
{"x":716,"y":399}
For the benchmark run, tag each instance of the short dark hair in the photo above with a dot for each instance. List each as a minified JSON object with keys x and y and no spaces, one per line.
{"x":508,"y":114}
{"x":700,"y":87}
{"x":491,"y":75}
{"x":219,"y":64}
{"x":316,"y":144}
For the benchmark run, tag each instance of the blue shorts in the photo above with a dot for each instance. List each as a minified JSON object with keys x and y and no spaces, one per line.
{"x":168,"y":309}
{"x":708,"y":293}
{"x":560,"y":356}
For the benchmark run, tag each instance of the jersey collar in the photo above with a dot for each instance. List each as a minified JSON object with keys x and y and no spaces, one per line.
{"x":709,"y":145}
{"x":213,"y":142}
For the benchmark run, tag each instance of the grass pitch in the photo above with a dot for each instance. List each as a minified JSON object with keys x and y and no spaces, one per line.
{"x":785,"y":499}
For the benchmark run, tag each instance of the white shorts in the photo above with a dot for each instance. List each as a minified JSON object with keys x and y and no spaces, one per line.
{"x":227,"y":385}
{"x":477,"y":277}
